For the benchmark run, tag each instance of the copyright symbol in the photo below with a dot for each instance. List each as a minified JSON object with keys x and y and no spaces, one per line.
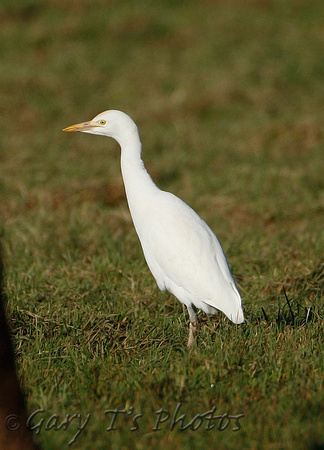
{"x":12,"y":422}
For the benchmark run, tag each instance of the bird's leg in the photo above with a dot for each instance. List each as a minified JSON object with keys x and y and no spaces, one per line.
{"x":192,"y":326}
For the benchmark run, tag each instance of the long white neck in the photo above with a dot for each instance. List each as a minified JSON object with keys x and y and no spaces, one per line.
{"x":139,"y":186}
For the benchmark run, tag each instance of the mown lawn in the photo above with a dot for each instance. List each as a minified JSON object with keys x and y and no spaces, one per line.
{"x":229,"y":100}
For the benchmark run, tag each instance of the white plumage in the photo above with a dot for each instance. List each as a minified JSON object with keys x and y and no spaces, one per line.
{"x":182,"y":252}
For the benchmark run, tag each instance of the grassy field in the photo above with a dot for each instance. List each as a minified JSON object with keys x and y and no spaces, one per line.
{"x":229,"y":100}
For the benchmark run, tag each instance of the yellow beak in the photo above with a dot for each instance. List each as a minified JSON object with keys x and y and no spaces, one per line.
{"x":81,"y":126}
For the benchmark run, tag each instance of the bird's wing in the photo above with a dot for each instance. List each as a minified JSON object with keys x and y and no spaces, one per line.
{"x":181,"y":249}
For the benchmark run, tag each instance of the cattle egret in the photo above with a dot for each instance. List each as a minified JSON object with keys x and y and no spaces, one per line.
{"x":183,"y":254}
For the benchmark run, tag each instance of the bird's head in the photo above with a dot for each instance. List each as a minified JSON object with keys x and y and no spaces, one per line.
{"x":114,"y":124}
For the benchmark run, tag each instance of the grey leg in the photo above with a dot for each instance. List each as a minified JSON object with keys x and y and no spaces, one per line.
{"x":192,"y":326}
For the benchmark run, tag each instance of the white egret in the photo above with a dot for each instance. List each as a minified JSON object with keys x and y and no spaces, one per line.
{"x":183,"y":254}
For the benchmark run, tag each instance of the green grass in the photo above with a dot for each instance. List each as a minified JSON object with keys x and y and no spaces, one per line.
{"x":229,"y":99}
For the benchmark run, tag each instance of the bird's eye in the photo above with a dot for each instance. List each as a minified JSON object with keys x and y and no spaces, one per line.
{"x":102,"y":122}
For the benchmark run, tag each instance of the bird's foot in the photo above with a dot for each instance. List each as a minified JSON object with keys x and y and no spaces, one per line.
{"x":193,"y":325}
